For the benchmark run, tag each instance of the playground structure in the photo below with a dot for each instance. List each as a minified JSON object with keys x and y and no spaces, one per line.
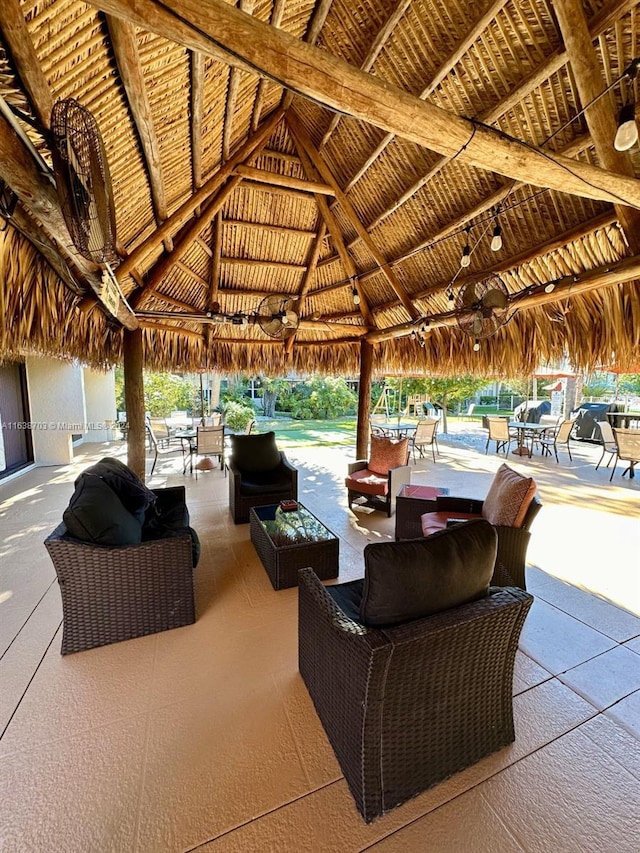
{"x":390,"y":402}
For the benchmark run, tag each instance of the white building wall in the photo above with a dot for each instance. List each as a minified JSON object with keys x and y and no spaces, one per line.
{"x":56,"y":400}
{"x":100,"y":404}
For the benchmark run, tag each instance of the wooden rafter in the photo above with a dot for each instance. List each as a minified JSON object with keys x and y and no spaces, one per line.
{"x":216,"y":254}
{"x":218,"y":29}
{"x":232,"y":95}
{"x":266,"y":226}
{"x":211,"y":186}
{"x":16,"y":37}
{"x":196,"y":99}
{"x":312,"y":263}
{"x":125,"y":48}
{"x":445,"y":67}
{"x":274,"y":21}
{"x":374,"y":51}
{"x":336,"y":235}
{"x":314,"y":155}
{"x":283,"y":181}
{"x":320,"y":12}
{"x":572,"y":285}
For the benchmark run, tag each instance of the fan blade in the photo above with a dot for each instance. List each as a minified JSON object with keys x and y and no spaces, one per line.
{"x":469,"y":296}
{"x":495,"y":299}
{"x":477,"y":324}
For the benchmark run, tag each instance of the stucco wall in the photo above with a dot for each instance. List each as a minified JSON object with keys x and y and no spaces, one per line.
{"x":100,"y":404}
{"x":56,"y":399}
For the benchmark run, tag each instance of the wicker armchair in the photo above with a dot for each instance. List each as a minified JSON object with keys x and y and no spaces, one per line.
{"x":408,"y":706}
{"x":513,"y":542}
{"x":113,"y":593}
{"x":259,"y":475}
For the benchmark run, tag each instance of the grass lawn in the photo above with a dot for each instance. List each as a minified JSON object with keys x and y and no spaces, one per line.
{"x":292,"y":433}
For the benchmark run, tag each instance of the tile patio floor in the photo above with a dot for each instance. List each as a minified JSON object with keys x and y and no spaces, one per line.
{"x":204,"y":738}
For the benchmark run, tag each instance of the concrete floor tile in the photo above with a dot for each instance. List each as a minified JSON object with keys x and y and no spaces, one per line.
{"x":554,"y":786}
{"x":527,"y":673}
{"x":634,"y":645}
{"x":605,"y":679}
{"x":627,"y":713}
{"x":616,"y":740}
{"x":77,"y":793}
{"x":557,"y":641}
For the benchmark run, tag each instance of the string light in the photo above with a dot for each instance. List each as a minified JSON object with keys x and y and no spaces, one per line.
{"x":465,"y":260}
{"x":476,"y":345}
{"x":356,"y":295}
{"x":627,"y":133}
{"x":496,"y":240}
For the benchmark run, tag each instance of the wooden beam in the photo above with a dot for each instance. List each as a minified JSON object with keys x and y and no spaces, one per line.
{"x":374,"y":51}
{"x":274,"y":21}
{"x":232,"y":95}
{"x":610,"y":275}
{"x":133,"y":361}
{"x":320,"y":12}
{"x":254,"y":262}
{"x":549,"y":66}
{"x":16,"y":37}
{"x":274,"y":179}
{"x":216,"y":254}
{"x":215,"y":27}
{"x":185,"y":211}
{"x":305,"y":143}
{"x":364,"y":400}
{"x":163,"y":266}
{"x":312,"y":263}
{"x":125,"y":48}
{"x":19,"y":171}
{"x":196,"y":100}
{"x":336,"y":235}
{"x":265,"y":226}
{"x":445,"y":67}
{"x":599,"y":116}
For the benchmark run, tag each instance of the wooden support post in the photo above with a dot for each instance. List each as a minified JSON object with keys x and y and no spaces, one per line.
{"x":364,"y":400}
{"x":134,"y":400}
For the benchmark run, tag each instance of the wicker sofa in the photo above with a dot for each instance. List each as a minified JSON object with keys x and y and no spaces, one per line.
{"x":408,"y":703}
{"x":124,"y":557}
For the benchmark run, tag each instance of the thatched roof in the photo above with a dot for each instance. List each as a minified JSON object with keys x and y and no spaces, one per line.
{"x":310,"y":149}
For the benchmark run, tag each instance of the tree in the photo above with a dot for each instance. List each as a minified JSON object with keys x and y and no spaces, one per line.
{"x":271,"y":390}
{"x":441,"y":390}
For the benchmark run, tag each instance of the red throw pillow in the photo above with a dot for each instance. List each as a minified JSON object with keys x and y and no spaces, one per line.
{"x":508,"y":498}
{"x":387,"y":453}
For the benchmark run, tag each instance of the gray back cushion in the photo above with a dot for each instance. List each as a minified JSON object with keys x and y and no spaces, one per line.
{"x":255,"y":453}
{"x":96,"y":514}
{"x":412,"y":579}
{"x":133,"y":493}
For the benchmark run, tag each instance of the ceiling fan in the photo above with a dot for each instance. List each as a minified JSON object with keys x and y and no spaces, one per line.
{"x":278,"y":316}
{"x":482,"y":306}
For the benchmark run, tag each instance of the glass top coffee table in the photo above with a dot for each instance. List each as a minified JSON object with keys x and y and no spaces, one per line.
{"x":288,"y":541}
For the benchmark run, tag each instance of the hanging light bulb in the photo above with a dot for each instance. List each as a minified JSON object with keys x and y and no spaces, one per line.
{"x":451,"y":297}
{"x":549,"y":288}
{"x":627,"y":134}
{"x":465,"y":260}
{"x":476,"y":345}
{"x":496,"y":241}
{"x":356,"y":296}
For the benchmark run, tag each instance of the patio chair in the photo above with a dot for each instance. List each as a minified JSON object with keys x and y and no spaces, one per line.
{"x":608,"y":443}
{"x":159,"y":428}
{"x":425,"y":436}
{"x":209,"y":441}
{"x":500,"y":432}
{"x":510,"y":505}
{"x":628,"y":444}
{"x":259,"y":474}
{"x":550,"y":439}
{"x":375,"y":482}
{"x":411,"y":682}
{"x":158,"y":450}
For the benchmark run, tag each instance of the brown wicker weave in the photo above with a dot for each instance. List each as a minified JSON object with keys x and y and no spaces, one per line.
{"x":512,"y":541}
{"x":117,"y":593}
{"x":408,"y":706}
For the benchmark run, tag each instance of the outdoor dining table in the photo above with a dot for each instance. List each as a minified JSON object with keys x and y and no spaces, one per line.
{"x":524,"y":429}
{"x":399,"y":430}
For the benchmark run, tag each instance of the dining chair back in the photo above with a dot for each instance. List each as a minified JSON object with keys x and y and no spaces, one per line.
{"x":500,"y":432}
{"x":425,"y":436}
{"x":209,"y":442}
{"x":608,"y":442}
{"x":628,"y":444}
{"x":550,"y":439}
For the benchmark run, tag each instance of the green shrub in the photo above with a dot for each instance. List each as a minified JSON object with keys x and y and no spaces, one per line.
{"x":237,"y":415}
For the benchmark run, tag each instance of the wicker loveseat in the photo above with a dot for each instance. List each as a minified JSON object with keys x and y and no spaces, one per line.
{"x":411,"y":670}
{"x":124,"y":557}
